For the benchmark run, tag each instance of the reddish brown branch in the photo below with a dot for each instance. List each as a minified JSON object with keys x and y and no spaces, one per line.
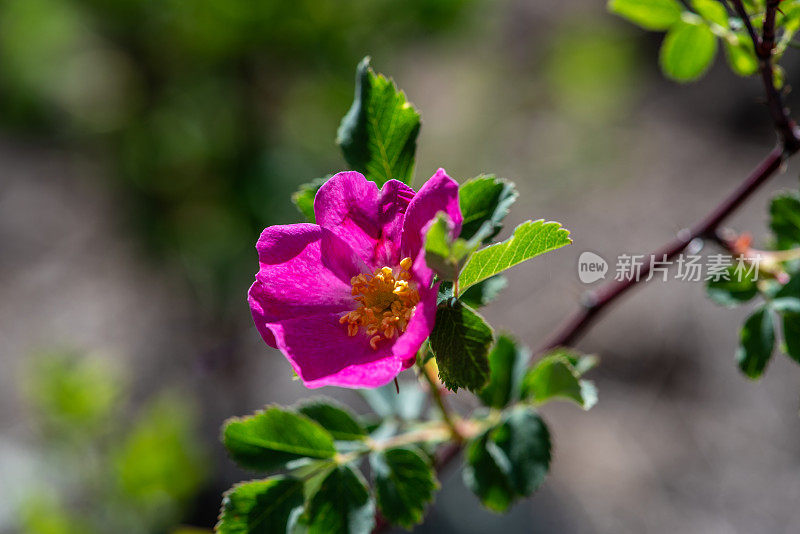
{"x":595,"y":302}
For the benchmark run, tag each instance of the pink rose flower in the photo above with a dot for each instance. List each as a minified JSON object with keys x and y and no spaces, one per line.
{"x":350,"y":300}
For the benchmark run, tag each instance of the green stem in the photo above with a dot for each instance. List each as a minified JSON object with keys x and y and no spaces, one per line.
{"x":435,"y":432}
{"x":436,"y":394}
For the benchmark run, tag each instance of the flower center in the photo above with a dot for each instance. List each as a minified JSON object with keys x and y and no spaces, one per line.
{"x":386,"y":302}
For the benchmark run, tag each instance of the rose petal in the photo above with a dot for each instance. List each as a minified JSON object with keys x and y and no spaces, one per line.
{"x":348,"y":205}
{"x":395,"y":198}
{"x":322,"y":353}
{"x":440,"y":193}
{"x":295,"y":279}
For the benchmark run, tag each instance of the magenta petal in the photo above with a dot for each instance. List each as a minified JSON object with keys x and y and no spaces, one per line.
{"x":323,"y":354}
{"x":395,"y":198}
{"x":440,"y":193}
{"x":348,"y":205}
{"x":293,"y":279}
{"x":423,"y":274}
{"x":260,"y":317}
{"x":339,"y":258}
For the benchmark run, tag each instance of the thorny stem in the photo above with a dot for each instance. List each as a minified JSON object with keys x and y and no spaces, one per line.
{"x":768,"y":36}
{"x":764,"y":47}
{"x":595,"y":302}
{"x":432,"y":433}
{"x":784,"y":125}
{"x":435,"y":432}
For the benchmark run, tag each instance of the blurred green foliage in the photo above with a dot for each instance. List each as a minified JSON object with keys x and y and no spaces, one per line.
{"x":156,"y":464}
{"x":100,"y":472}
{"x":71,"y":394}
{"x":592,"y":71}
{"x":201,"y":109}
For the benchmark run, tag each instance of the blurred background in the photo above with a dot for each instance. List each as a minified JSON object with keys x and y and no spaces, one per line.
{"x":144,"y":145}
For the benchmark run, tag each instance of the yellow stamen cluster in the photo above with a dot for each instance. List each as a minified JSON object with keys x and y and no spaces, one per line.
{"x":386,"y":301}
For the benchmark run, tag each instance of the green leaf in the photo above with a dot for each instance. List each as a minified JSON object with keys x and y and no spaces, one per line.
{"x":790,"y":289}
{"x":741,"y":55}
{"x":757,"y":339}
{"x":791,"y":335}
{"x":404,"y":484}
{"x":687,"y":51}
{"x":530,"y":239}
{"x":483,"y":293}
{"x":786,"y":300}
{"x":378,"y":136}
{"x":712,"y":11}
{"x":485,"y":201}
{"x":554,"y":376}
{"x":789,"y":15}
{"x":784,"y":220}
{"x":260,"y":506}
{"x":442,"y":254}
{"x":342,"y":505}
{"x":740,"y":287}
{"x":789,"y":20}
{"x":271,"y":438}
{"x":509,"y":460}
{"x":649,"y":14}
{"x":507,"y":364}
{"x":484,"y":477}
{"x":312,"y":473}
{"x":476,"y":295}
{"x":437,"y":240}
{"x":460,"y":340}
{"x":778,"y":76}
{"x":334,"y":418}
{"x":582,"y":363}
{"x":303,"y":198}
{"x":524,"y":439}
